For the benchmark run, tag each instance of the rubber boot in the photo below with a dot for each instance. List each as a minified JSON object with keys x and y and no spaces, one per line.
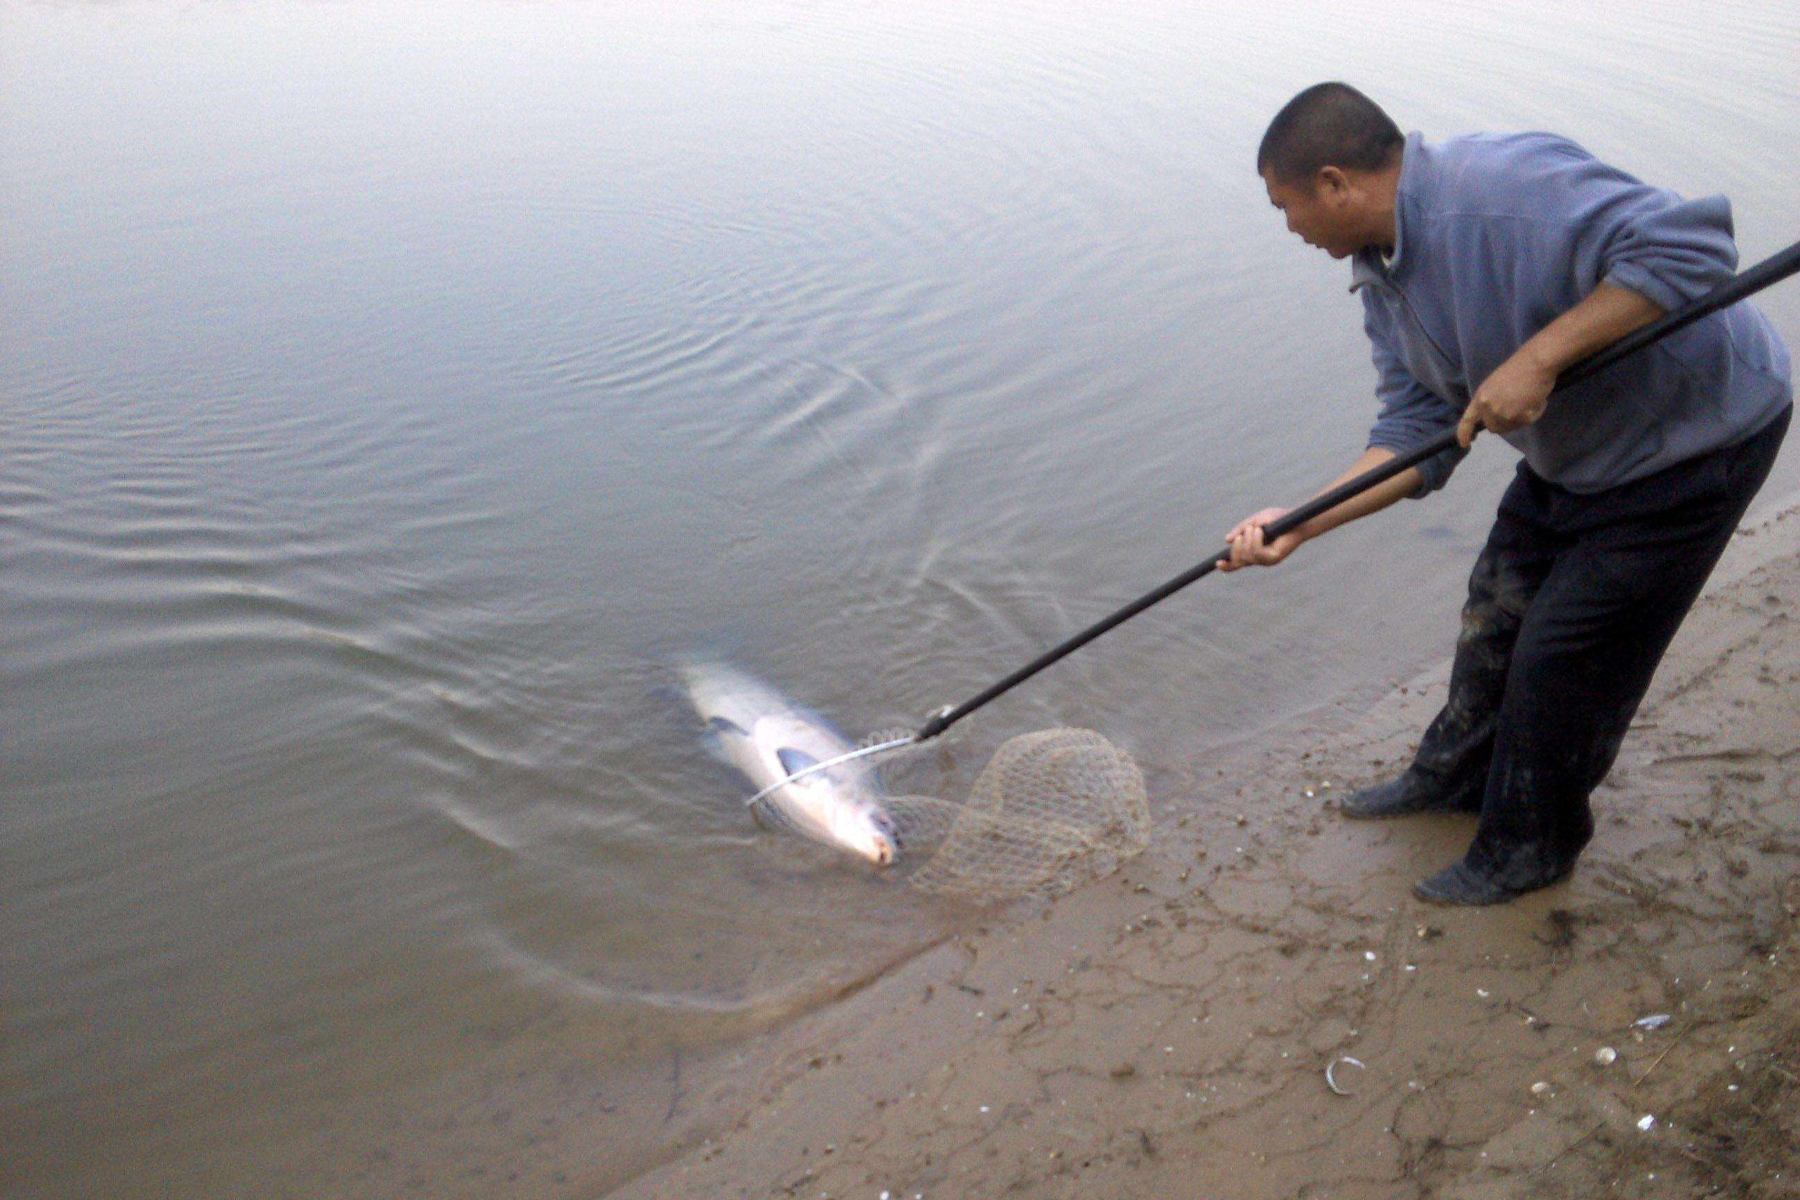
{"x":1407,"y":793}
{"x":1461,"y":884}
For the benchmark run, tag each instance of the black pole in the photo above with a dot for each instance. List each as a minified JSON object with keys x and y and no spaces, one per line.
{"x":1770,"y":270}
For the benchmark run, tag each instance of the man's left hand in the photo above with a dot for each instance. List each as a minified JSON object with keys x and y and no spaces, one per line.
{"x":1511,"y":398}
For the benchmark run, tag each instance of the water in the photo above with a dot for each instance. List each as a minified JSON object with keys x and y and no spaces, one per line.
{"x":392,"y":393}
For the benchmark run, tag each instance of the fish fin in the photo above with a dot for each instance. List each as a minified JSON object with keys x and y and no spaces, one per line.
{"x":724,"y":725}
{"x":795,"y":761}
{"x":713,"y":737}
{"x":768,"y":816}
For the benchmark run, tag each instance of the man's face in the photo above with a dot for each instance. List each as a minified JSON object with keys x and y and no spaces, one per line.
{"x":1322,"y":215}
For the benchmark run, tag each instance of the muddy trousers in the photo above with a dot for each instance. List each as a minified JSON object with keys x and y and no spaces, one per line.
{"x":1571,"y":605}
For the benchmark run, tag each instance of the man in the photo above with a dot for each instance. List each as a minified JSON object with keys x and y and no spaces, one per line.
{"x":1488,"y":264}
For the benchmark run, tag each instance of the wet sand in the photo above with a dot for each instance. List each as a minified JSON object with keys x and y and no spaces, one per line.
{"x":1166,"y":1031}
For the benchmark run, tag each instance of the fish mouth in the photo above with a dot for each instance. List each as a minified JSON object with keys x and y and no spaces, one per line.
{"x":884,"y":842}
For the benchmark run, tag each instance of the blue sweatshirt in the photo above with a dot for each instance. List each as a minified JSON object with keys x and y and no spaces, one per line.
{"x":1496,"y":235}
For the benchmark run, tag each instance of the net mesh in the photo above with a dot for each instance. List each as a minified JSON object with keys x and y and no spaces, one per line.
{"x":1052,"y":809}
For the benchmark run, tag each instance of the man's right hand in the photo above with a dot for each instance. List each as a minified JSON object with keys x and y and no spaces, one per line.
{"x":1248,"y":549}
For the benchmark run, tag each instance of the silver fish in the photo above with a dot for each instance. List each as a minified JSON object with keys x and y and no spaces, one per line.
{"x":768,"y":739}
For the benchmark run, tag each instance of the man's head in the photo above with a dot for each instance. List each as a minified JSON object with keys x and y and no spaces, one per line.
{"x":1330,"y":160}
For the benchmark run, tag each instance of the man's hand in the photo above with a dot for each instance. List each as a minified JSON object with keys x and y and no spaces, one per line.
{"x":1248,"y":548}
{"x":1514,"y":396}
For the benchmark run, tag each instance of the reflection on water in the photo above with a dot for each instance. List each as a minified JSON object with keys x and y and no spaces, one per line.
{"x":392,"y":394}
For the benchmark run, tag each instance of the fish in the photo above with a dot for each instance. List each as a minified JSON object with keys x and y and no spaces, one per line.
{"x":768,"y":738}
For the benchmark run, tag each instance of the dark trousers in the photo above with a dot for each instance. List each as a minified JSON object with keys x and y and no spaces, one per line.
{"x":1571,"y":605}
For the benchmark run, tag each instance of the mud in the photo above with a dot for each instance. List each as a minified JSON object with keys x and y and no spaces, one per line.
{"x":1166,"y":1031}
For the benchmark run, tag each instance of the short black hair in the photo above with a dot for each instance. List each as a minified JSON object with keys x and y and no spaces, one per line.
{"x":1327,"y":125}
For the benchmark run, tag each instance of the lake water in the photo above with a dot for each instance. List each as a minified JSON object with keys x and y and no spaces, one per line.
{"x":392,"y":393}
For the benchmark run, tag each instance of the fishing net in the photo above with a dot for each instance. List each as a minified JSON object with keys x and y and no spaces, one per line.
{"x":1052,"y":809}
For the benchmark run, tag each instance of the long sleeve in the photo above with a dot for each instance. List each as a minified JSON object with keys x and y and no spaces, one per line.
{"x":1648,"y":239}
{"x":1496,"y":236}
{"x":1409,"y":413}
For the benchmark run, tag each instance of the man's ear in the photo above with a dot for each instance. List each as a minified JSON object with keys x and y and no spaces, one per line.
{"x":1331,"y":183}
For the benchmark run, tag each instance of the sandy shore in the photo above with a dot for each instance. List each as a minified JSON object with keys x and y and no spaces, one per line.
{"x":1166,"y":1031}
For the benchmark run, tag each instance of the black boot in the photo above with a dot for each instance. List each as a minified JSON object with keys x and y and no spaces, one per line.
{"x":1407,"y":793}
{"x":1459,"y":883}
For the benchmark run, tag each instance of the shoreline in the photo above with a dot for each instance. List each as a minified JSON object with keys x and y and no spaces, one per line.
{"x":1174,"y":1020}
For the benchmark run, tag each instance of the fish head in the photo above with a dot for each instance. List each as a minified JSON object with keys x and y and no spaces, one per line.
{"x":873,"y":837}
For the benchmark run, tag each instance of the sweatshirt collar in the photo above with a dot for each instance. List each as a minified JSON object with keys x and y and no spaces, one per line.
{"x":1366,"y":266}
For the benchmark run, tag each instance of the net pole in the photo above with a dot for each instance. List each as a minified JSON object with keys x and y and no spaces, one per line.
{"x":1771,"y":270}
